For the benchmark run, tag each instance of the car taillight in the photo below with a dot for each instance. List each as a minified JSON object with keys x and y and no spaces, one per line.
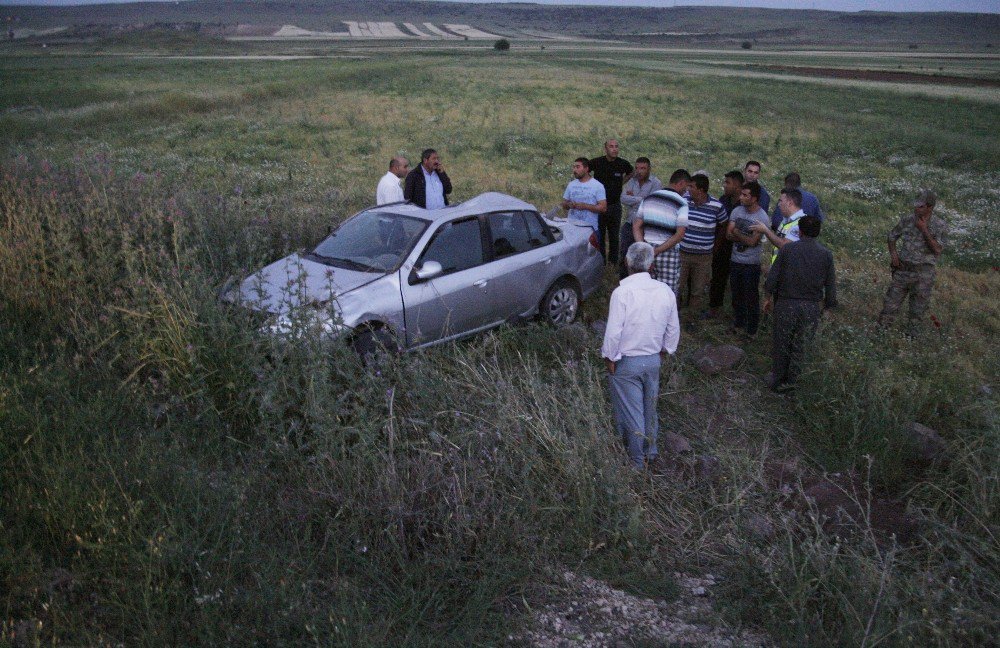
{"x":594,"y":242}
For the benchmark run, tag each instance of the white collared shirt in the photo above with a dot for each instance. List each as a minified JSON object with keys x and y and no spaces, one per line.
{"x":388,"y":190}
{"x":433,"y":189}
{"x":642,"y":319}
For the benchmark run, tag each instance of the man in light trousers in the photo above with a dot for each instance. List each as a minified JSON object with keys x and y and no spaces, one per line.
{"x":642,"y":327}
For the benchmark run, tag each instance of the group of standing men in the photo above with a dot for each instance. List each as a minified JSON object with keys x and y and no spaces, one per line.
{"x":719,"y":241}
{"x":722,"y":239}
{"x":427,"y":186}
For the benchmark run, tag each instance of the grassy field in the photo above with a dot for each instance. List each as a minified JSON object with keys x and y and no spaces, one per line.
{"x":171,"y":477}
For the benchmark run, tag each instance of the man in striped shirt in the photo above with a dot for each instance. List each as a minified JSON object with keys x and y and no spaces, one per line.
{"x":707,"y":221}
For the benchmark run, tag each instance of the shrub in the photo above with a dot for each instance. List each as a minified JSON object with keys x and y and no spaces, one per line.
{"x":502,"y":45}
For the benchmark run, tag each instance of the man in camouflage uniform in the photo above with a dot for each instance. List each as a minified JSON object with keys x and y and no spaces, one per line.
{"x":915,"y":245}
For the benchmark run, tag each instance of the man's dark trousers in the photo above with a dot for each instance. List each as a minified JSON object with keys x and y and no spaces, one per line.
{"x":744,"y":279}
{"x":627,"y":239}
{"x":795,"y":322}
{"x":607,"y":230}
{"x":720,"y":274}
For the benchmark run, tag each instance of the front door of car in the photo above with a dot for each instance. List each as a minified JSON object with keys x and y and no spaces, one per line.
{"x":522,"y":260}
{"x":459,"y":300}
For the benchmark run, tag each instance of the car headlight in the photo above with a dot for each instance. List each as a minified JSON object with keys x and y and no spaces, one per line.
{"x":315,"y":319}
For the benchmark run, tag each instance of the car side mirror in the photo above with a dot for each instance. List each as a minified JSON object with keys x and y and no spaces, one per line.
{"x":429,"y":270}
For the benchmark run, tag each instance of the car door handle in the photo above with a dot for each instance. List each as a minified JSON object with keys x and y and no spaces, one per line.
{"x":547,"y":261}
{"x":480,"y":283}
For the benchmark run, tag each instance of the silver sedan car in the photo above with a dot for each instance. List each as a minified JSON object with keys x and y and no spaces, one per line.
{"x":404,"y":277}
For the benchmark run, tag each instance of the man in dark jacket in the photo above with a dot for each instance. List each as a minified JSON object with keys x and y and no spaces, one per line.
{"x":428,"y":185}
{"x":801,"y":284}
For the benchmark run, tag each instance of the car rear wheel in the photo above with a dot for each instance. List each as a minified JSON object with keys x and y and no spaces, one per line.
{"x":561,"y":303}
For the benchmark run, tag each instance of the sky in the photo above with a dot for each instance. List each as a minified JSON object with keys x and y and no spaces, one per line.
{"x":976,"y":6}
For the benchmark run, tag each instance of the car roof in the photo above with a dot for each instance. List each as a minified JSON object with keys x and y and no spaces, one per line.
{"x":491,"y":201}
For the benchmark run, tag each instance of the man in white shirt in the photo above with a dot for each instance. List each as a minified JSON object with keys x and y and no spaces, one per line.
{"x":389,"y":190}
{"x":642,"y":326}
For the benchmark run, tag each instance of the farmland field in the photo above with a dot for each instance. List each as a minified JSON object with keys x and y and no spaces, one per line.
{"x":172,"y":477}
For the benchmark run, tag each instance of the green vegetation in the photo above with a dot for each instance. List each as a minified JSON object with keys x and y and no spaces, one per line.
{"x":172,"y":477}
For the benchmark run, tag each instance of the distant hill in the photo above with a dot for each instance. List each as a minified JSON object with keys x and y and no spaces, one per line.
{"x":681,"y":26}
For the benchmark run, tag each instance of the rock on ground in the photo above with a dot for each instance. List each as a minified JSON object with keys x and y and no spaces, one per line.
{"x":711,"y":360}
{"x":926,"y":445}
{"x":588,"y":613}
{"x":845,"y":506}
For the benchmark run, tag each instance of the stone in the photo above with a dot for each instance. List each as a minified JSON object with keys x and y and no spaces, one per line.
{"x":598,"y":327}
{"x":707,"y":468}
{"x":843,"y":507}
{"x":711,"y":360}
{"x":926,"y":445}
{"x":835,"y":504}
{"x":707,"y":366}
{"x":782,"y":472}
{"x":759,"y":527}
{"x":59,"y":579}
{"x":674,"y":444}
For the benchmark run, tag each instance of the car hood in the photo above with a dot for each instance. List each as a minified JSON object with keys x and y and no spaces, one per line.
{"x":296,"y":281}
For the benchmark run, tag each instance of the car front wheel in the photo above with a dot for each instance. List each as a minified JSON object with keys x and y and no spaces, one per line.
{"x":371,"y":344}
{"x":561,"y":303}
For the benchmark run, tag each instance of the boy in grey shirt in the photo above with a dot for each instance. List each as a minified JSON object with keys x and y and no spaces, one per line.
{"x":744,"y":267}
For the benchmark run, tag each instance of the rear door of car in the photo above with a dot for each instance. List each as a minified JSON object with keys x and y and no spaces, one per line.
{"x":521,"y":261}
{"x":459,"y":301}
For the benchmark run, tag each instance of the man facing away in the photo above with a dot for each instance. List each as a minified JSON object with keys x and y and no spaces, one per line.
{"x":667,"y":262}
{"x":388,"y":190}
{"x":641,"y":184}
{"x":707,"y":221}
{"x":584,"y":198}
{"x":428,"y":185}
{"x":751,"y":173}
{"x":744,"y":266}
{"x":810,"y":203}
{"x":915,"y":245}
{"x":612,"y":172}
{"x":800,"y":285}
{"x":642,"y":327}
{"x":787,"y":231}
{"x":723,"y":249}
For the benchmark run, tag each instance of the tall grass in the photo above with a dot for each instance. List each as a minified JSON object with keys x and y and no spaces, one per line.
{"x":171,"y":476}
{"x":202,"y":485}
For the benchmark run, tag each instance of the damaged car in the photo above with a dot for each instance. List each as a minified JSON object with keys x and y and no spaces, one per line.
{"x":401,"y":277}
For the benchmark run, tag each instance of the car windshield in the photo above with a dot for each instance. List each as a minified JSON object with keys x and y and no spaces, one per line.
{"x":372,"y":241}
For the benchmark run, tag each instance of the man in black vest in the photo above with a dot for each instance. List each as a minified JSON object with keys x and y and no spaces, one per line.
{"x":612,"y":172}
{"x":428,"y":185}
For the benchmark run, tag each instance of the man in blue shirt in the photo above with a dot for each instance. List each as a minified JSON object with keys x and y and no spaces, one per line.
{"x":584,"y":197}
{"x":810,"y":203}
{"x":707,"y":220}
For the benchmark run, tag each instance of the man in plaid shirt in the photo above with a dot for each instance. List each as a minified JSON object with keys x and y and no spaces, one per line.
{"x":667,"y":263}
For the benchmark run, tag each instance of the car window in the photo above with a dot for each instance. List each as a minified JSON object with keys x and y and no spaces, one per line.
{"x":538,"y":232}
{"x":509,"y":233}
{"x":456,"y":246}
{"x":372,"y":240}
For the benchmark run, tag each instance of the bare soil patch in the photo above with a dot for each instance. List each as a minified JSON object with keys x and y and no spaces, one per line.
{"x":883,"y":75}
